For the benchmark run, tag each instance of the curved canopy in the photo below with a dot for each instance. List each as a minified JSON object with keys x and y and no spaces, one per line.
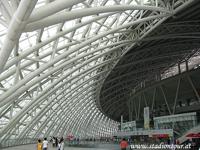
{"x":55,"y":56}
{"x":155,"y":57}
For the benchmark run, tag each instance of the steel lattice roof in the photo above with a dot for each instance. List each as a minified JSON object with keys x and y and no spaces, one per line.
{"x":55,"y":56}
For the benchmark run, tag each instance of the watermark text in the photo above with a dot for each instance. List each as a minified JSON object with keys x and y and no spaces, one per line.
{"x":160,"y":146}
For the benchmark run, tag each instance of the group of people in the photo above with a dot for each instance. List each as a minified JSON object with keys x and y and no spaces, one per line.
{"x":59,"y":143}
{"x":43,"y":145}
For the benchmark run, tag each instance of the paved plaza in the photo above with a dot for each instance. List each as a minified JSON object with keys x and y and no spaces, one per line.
{"x":33,"y":147}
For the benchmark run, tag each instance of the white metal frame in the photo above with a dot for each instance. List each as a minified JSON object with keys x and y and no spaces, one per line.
{"x":56,"y":55}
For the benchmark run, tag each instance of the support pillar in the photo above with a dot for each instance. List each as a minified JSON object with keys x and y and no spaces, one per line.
{"x":153,"y":100}
{"x":139,"y":105}
{"x":193,"y":87}
{"x":186,"y":65}
{"x":121,"y":121}
{"x":130,"y":110}
{"x":176,"y":96}
{"x":165,"y":98}
{"x":179,"y":68}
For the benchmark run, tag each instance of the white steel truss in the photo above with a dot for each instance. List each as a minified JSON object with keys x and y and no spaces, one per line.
{"x":55,"y":56}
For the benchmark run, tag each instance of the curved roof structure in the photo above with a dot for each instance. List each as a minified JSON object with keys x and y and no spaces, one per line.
{"x":175,"y":41}
{"x":56,"y":54}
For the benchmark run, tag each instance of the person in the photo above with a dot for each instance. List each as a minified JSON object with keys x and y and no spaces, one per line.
{"x":45,"y":144}
{"x":54,"y":142}
{"x":39,"y":145}
{"x":56,"y":139}
{"x":123,"y":144}
{"x":61,"y":144}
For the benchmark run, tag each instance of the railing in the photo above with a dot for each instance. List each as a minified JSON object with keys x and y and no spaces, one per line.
{"x":155,"y":80}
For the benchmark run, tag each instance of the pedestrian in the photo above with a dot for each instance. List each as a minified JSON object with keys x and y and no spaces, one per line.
{"x":61,"y":144}
{"x":39,"y":145}
{"x":123,"y":144}
{"x":45,"y":144}
{"x":54,"y":142}
{"x":56,"y":139}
